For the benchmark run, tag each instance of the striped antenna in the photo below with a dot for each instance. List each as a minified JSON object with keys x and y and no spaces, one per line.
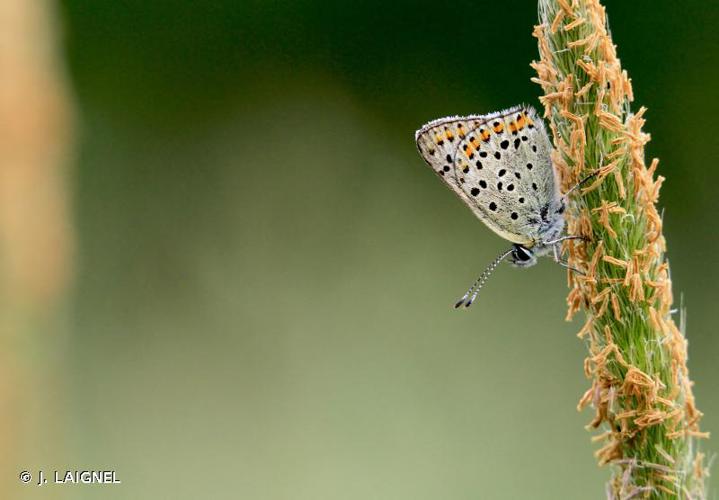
{"x":477,"y":286}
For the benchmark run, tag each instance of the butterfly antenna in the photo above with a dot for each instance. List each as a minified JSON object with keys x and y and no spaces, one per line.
{"x":477,"y":286}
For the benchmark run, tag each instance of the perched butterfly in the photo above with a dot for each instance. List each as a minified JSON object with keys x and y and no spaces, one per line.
{"x":500,"y":167}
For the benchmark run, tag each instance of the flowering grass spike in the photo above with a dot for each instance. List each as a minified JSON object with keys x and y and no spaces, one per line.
{"x":640,"y":390}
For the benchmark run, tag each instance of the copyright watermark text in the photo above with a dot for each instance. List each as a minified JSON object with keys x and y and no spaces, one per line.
{"x":70,"y":477}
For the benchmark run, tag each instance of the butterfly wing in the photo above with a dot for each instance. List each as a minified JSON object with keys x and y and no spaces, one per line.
{"x":508,"y":173}
{"x":500,"y":168}
{"x":437,"y":143}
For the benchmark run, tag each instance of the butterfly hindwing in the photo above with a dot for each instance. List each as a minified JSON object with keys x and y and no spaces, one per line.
{"x":508,"y":173}
{"x":498,"y":164}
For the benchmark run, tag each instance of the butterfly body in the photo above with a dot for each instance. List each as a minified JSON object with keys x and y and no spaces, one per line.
{"x":500,"y":166}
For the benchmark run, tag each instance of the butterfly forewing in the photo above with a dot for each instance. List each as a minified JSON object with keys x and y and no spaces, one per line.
{"x":437,"y":142}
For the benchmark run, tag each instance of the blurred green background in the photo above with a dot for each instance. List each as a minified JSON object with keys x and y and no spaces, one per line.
{"x":265,"y":267}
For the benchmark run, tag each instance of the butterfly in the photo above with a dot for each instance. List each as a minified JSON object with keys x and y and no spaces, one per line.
{"x":499,"y":165}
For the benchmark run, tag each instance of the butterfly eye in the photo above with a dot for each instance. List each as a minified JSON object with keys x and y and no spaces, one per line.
{"x":522,"y":254}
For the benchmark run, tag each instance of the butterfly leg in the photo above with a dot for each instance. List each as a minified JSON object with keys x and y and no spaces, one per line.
{"x":557,"y":258}
{"x":565,"y":238}
{"x":580,"y":184}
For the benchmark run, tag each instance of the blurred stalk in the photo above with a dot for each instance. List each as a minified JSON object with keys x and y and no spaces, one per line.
{"x":640,"y":390}
{"x":35,"y":233}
